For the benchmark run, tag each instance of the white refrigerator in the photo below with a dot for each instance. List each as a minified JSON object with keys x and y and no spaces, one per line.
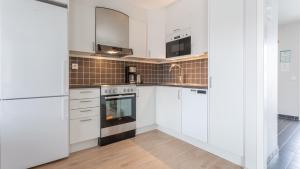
{"x":34,"y":123}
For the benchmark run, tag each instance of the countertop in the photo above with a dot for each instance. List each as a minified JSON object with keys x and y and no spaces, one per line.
{"x":197,"y":86}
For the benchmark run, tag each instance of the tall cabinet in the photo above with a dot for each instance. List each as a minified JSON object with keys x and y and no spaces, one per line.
{"x":226,"y":84}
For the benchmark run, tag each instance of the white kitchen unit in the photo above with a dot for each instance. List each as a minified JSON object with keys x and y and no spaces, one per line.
{"x":82,"y":26}
{"x":193,"y":15}
{"x":84,"y":118}
{"x":195,"y":113}
{"x":145,"y":108}
{"x":157,"y":33}
{"x":34,"y":86}
{"x":168,"y":108}
{"x":226,"y":93}
{"x":138,"y":37}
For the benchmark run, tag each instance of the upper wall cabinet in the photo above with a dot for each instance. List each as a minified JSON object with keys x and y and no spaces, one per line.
{"x":156,"y":34}
{"x":191,"y":14}
{"x":138,"y":37}
{"x":82,"y":26}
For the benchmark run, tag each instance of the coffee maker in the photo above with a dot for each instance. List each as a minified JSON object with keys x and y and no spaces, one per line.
{"x":131,"y":74}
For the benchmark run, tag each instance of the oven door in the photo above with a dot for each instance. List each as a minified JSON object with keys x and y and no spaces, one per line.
{"x":118,"y":109}
{"x":178,"y":47}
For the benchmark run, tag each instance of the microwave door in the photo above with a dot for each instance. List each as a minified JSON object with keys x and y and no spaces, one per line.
{"x":185,"y":46}
{"x":173,"y":49}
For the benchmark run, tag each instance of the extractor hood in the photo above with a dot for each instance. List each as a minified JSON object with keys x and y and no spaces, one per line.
{"x":112,"y":33}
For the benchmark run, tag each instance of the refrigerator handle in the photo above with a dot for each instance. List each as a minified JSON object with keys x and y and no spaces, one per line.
{"x":65,"y":77}
{"x":65,"y":109}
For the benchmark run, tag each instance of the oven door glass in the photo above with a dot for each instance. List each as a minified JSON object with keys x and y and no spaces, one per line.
{"x":118,"y":109}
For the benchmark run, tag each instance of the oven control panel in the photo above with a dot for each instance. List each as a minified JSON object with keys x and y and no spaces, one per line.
{"x":117,"y":89}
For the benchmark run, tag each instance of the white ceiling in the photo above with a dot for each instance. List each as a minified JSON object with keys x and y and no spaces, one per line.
{"x":151,"y":4}
{"x":289,"y":11}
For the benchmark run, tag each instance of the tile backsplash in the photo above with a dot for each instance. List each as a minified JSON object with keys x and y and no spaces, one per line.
{"x":93,"y":71}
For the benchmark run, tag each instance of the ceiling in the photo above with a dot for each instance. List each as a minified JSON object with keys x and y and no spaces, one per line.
{"x":151,"y":4}
{"x":289,"y":11}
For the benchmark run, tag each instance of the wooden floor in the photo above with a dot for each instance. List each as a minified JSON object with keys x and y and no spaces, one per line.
{"x":153,"y":150}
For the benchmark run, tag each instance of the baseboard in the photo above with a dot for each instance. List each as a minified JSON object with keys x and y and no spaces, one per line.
{"x":272,"y":155}
{"x":83,"y":145}
{"x":288,"y":117}
{"x":238,"y":160}
{"x":146,"y":129}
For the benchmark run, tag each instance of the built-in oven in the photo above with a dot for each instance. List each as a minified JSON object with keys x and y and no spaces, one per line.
{"x":178,"y":44}
{"x":118,"y":113}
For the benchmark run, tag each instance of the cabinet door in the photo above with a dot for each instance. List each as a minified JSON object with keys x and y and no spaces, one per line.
{"x":82,"y":26}
{"x":156,"y":34}
{"x":194,"y":113}
{"x":145,"y":107}
{"x":226,"y":94}
{"x":168,"y":108}
{"x":138,"y":37}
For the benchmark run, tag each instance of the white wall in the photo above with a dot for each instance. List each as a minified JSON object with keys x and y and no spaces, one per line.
{"x":288,"y":82}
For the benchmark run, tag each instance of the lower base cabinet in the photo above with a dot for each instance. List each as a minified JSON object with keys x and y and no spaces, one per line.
{"x":168,"y":108}
{"x":83,"y":129}
{"x":145,"y":106}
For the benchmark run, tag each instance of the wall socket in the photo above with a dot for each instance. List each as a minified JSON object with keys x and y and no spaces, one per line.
{"x":74,"y":66}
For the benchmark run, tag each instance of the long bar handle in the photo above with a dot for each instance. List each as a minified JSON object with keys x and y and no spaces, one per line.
{"x":119,"y":97}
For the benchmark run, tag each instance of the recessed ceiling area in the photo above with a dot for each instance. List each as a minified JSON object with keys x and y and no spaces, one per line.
{"x":289,"y":11}
{"x":151,"y":4}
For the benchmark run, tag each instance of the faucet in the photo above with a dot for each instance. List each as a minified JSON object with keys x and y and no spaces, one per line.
{"x":180,"y":69}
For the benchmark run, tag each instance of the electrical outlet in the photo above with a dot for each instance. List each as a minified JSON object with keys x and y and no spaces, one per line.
{"x":74,"y":66}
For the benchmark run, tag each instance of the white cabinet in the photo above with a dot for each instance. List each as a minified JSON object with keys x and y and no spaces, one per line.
{"x":84,"y":129}
{"x":194,"y":113}
{"x":145,"y":106}
{"x":138,"y":37}
{"x":226,"y":95}
{"x":191,"y":14}
{"x":82,"y":26}
{"x":84,"y":115}
{"x":156,"y":34}
{"x":168,"y":108}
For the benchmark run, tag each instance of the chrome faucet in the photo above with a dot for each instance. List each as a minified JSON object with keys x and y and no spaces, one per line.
{"x":180,"y":69}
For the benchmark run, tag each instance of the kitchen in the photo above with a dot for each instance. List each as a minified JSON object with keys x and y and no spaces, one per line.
{"x":122,"y":70}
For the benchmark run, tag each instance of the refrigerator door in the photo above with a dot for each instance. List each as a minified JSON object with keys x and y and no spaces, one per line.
{"x":34,"y":132}
{"x":34,"y":49}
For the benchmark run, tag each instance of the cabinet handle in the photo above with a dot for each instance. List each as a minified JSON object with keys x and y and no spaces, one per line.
{"x":85,"y":101}
{"x":85,"y":120}
{"x":84,"y":111}
{"x":210,"y":82}
{"x":94,"y":46}
{"x":85,"y":92}
{"x":179,"y":95}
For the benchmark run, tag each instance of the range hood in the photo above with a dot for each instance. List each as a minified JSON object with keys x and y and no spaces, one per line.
{"x":112,"y":33}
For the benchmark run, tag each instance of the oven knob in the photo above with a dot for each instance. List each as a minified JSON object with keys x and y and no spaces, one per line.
{"x":115,"y":90}
{"x":105,"y":91}
{"x":131,"y":90}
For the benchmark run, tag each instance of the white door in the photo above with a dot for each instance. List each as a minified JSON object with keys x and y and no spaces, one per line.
{"x":34,"y":52}
{"x":194,"y":113}
{"x":168,"y":108}
{"x":34,"y":132}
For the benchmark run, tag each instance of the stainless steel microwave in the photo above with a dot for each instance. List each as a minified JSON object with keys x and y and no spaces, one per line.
{"x":178,"y":44}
